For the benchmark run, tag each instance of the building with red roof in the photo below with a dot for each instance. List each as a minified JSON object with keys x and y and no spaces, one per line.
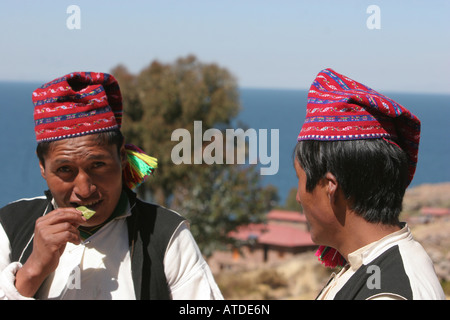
{"x":286,"y":216}
{"x":435,"y":212}
{"x":284,"y":234}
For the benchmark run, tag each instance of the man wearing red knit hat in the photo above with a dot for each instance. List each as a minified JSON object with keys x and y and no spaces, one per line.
{"x":355,"y":156}
{"x":90,"y":237}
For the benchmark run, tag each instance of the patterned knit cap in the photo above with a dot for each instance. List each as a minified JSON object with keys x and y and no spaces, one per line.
{"x":77,"y":104}
{"x":340,"y":108}
{"x":82,"y":103}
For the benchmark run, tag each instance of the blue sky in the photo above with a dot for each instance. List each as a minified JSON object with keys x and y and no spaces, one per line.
{"x":265,"y":44}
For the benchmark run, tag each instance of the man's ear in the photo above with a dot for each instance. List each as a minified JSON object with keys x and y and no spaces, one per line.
{"x":42,"y":169}
{"x":123,"y":156}
{"x":332,"y":186}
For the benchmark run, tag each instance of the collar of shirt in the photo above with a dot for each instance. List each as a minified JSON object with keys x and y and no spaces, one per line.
{"x":363,"y":255}
{"x":369,"y":252}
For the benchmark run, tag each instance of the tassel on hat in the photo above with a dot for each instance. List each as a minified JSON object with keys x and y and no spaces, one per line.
{"x":140,"y":166}
{"x":330,"y":257}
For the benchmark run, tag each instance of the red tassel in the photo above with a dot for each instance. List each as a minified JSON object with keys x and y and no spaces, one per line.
{"x":330,"y":257}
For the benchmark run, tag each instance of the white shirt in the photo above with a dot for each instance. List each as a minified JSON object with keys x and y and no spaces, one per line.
{"x":85,"y":271}
{"x":418,"y":267}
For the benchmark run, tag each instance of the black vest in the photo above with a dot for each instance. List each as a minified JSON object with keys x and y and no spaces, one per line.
{"x":150,"y":228}
{"x":392,"y":278}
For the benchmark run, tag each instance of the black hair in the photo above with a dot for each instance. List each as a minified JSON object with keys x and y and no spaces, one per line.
{"x":106,"y":138}
{"x":373,"y":174}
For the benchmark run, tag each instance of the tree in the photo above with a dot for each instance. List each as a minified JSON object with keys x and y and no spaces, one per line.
{"x":291,"y":201}
{"x":165,"y":97}
{"x":219,"y":198}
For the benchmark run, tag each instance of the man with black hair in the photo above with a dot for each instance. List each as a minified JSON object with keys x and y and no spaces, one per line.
{"x":356,"y":154}
{"x":125,"y":248}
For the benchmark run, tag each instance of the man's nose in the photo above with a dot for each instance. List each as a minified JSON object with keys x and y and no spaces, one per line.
{"x":84,"y":186}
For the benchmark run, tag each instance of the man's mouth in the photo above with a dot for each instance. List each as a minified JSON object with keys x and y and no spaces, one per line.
{"x":93,"y":205}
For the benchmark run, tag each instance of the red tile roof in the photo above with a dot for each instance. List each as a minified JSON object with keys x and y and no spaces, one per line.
{"x":273,"y":234}
{"x":285,"y":236}
{"x":435,"y":211}
{"x":249,"y":231}
{"x":292,"y":216}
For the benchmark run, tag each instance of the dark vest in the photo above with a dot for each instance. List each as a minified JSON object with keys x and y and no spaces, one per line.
{"x":150,"y":228}
{"x":392,"y":278}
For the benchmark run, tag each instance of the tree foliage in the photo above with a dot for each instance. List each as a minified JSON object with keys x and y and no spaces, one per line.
{"x":220,"y":198}
{"x":291,"y":201}
{"x":165,"y":97}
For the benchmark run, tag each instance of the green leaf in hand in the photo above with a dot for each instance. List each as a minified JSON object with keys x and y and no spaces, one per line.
{"x":87,"y":213}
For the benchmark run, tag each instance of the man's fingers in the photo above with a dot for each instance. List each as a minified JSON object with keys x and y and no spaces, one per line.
{"x":64,"y":231}
{"x":58,"y":227}
{"x":61,"y":215}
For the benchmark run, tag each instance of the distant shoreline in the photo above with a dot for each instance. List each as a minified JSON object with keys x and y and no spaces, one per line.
{"x":245,"y":87}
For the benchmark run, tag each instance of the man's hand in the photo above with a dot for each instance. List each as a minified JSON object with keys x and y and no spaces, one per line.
{"x":51,"y":234}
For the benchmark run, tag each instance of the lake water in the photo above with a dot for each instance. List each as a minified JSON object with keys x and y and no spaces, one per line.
{"x":285,"y":110}
{"x":261,"y":109}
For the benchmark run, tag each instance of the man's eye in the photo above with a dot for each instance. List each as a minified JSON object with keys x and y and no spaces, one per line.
{"x":99,"y":164}
{"x":64,"y":169}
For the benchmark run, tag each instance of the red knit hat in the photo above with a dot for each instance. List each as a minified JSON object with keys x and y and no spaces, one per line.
{"x":82,"y":103}
{"x":77,"y":104}
{"x":340,"y":108}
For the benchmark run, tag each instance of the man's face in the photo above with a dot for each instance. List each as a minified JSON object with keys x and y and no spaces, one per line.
{"x":316,"y":207}
{"x":79,"y":172}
